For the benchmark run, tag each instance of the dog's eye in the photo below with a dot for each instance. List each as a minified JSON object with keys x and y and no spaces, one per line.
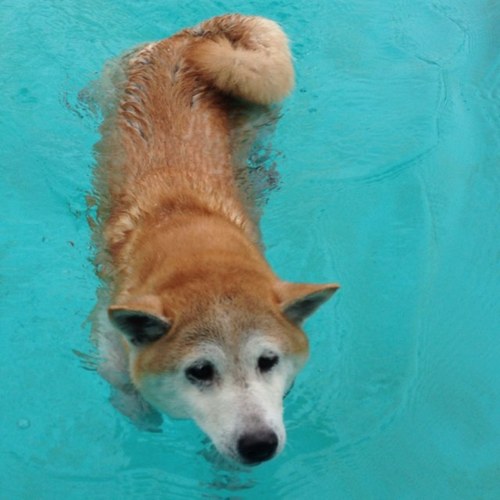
{"x":202,"y":372}
{"x":266,"y":363}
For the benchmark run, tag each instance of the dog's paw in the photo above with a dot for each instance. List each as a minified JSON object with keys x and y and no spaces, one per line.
{"x":141,"y":413}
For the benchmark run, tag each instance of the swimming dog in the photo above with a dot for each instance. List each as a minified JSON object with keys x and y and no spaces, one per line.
{"x":193,"y":322}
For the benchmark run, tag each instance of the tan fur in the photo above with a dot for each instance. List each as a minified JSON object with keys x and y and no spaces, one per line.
{"x":179,"y":238}
{"x":254,"y":63}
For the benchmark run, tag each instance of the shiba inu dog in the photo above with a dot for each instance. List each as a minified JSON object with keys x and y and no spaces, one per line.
{"x":192,"y":321}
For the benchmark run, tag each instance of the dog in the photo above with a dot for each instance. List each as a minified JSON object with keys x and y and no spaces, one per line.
{"x":191,"y":321}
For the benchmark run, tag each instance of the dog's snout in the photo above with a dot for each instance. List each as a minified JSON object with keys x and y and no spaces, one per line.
{"x":257,"y":447}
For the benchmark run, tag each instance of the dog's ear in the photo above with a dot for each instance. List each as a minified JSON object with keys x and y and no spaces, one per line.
{"x":141,"y":320}
{"x":297,"y":301}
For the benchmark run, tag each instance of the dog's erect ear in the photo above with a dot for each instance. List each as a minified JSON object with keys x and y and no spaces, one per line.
{"x":299,"y":300}
{"x":140,"y":320}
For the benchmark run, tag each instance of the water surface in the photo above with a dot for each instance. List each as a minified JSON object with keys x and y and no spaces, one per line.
{"x":388,"y":154}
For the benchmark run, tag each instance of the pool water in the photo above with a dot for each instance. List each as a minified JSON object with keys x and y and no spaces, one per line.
{"x":388,"y":154}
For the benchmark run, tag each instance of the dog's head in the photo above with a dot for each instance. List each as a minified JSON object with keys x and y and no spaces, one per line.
{"x":224,"y":359}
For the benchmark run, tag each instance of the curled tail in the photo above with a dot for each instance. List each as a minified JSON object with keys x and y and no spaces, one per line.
{"x":244,"y":56}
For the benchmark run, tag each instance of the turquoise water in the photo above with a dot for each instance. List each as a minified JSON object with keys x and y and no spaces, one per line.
{"x":388,"y":153}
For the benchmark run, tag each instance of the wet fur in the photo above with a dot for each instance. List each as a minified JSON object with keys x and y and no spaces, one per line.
{"x":178,"y":239}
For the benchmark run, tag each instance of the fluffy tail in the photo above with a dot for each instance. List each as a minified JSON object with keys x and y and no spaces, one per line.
{"x":244,"y":56}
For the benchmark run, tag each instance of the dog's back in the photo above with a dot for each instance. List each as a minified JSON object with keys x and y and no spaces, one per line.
{"x":173,"y":138}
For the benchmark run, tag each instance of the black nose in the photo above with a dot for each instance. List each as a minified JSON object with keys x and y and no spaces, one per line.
{"x":258,"y":447}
